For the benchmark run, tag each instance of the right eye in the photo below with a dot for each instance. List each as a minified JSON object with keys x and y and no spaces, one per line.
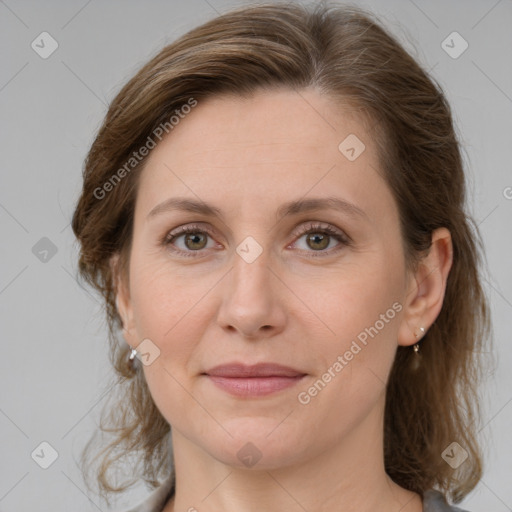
{"x":192,"y":238}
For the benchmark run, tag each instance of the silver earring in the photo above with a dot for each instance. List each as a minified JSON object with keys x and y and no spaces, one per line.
{"x":133,"y":353}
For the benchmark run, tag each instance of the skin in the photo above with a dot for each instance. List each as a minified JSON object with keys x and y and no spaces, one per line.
{"x":248,"y":156}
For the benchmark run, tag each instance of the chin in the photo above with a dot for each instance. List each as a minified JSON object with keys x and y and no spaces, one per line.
{"x":257,"y":444}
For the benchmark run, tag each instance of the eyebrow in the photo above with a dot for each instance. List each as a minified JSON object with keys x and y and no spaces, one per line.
{"x":290,"y":208}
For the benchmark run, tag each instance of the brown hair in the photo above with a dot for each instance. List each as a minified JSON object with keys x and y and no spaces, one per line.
{"x":346,"y":54}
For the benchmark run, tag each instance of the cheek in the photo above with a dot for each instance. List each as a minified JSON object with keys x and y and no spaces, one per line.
{"x":362,"y":309}
{"x":166,"y":312}
{"x":354,"y":360}
{"x":354,"y":300}
{"x":157,"y":298}
{"x":169,"y":307}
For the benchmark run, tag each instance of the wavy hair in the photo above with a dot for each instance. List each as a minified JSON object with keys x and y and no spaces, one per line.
{"x":345,"y":53}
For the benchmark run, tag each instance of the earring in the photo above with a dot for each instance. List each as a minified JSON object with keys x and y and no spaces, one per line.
{"x":417,"y":346}
{"x":415,"y":363}
{"x":133,"y":353}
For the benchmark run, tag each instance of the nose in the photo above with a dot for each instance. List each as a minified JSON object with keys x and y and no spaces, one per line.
{"x":252,"y":299}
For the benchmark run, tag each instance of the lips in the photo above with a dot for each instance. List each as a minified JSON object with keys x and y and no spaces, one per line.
{"x":238,"y":370}
{"x":253,"y":380}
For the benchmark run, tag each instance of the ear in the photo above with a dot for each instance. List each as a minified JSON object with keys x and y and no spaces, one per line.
{"x":426,"y":289}
{"x":123,"y":301}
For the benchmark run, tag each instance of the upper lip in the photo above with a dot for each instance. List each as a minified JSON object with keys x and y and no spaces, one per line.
{"x":240,"y":370}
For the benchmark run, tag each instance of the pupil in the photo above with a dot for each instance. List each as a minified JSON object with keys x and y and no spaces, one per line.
{"x":194,"y":239}
{"x":319,"y":238}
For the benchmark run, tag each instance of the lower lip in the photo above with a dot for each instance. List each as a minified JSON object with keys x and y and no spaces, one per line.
{"x":254,"y":386}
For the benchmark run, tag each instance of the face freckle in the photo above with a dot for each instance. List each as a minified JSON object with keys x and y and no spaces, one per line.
{"x":257,"y":290}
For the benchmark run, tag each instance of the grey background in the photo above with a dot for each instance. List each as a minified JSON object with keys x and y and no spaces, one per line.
{"x":54,"y":366}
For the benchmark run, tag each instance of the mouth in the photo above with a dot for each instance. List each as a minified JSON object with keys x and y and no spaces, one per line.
{"x":253,"y":380}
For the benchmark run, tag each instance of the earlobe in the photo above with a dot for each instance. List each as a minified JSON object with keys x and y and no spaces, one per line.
{"x":426,"y":290}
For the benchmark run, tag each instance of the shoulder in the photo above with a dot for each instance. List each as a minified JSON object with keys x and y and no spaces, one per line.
{"x":156,"y":501}
{"x":434,"y":501}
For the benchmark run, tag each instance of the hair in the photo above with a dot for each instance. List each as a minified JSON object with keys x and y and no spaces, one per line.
{"x":344,"y":53}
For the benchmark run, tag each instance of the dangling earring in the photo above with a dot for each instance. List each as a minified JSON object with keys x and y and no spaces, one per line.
{"x":417,"y":356}
{"x":133,"y":353}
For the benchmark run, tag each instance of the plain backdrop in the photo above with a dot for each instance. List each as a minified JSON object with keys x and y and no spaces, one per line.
{"x":53,"y":365}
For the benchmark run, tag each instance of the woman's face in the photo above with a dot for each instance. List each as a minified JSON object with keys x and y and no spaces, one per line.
{"x":249,"y":285}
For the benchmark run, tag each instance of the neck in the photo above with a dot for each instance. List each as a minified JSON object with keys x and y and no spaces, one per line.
{"x":348,"y":477}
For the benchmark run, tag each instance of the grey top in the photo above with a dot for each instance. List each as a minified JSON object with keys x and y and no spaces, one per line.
{"x":433,"y":501}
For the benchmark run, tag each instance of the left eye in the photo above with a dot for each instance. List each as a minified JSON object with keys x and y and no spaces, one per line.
{"x":317,"y":239}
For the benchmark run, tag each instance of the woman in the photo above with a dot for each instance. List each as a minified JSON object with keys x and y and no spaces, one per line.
{"x":274,"y":213}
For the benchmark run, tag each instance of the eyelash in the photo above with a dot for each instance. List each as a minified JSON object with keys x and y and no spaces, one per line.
{"x":312,"y":227}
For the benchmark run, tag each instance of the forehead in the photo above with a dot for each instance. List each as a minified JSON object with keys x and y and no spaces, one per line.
{"x":270,"y":120}
{"x":274,"y":144}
